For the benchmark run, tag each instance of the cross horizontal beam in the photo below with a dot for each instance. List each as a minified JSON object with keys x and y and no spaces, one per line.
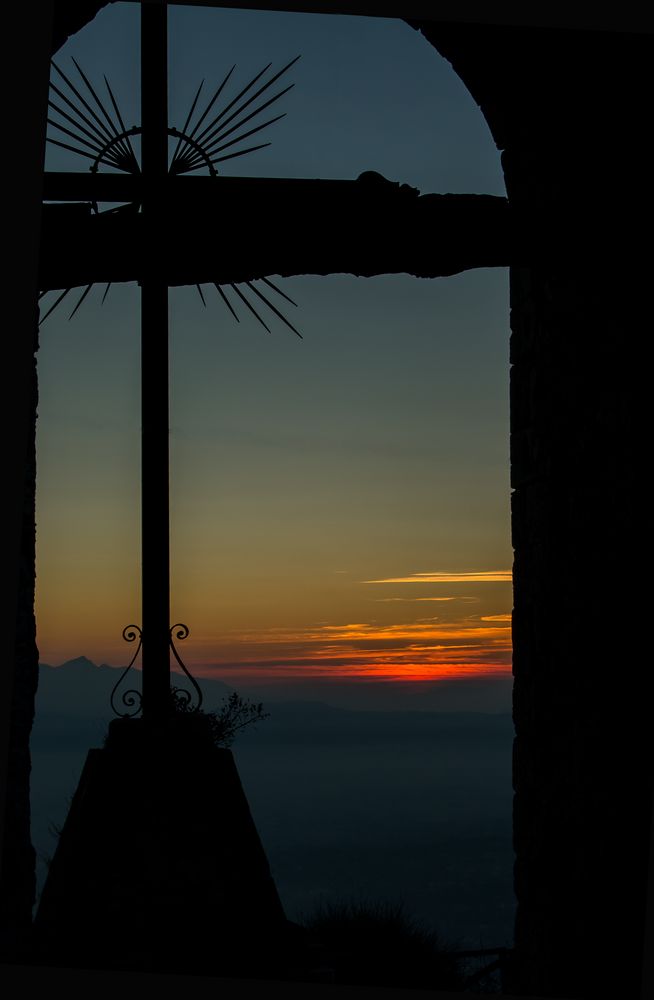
{"x":229,"y":230}
{"x":71,"y":186}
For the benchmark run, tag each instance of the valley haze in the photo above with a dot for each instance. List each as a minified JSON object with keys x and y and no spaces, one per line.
{"x":410,"y":805}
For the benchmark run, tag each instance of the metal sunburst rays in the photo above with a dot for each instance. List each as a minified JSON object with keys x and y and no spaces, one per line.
{"x":102,"y":137}
{"x":257,"y":291}
{"x":195,"y":150}
{"x":109,"y":143}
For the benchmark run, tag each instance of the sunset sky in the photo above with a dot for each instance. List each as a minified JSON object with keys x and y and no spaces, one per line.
{"x":339,"y":504}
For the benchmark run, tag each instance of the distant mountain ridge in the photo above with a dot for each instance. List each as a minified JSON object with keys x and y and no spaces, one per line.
{"x":410,"y":804}
{"x":73,"y":708}
{"x":79,"y":684}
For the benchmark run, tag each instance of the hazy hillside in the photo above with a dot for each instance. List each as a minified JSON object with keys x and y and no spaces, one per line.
{"x":411,"y":805}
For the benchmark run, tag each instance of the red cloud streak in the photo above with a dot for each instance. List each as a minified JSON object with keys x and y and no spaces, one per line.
{"x":416,"y":652}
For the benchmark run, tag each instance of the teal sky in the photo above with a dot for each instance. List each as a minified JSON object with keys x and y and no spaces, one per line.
{"x":375,"y":448}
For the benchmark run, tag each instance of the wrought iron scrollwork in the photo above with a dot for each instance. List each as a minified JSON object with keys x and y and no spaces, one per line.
{"x":181,"y":632}
{"x":131,"y":698}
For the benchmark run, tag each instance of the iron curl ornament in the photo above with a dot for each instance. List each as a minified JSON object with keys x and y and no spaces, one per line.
{"x":133,"y":699}
{"x":181,"y":632}
{"x":130,"y":699}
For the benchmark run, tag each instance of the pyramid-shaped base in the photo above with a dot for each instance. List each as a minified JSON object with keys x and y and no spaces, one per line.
{"x":159,"y":866}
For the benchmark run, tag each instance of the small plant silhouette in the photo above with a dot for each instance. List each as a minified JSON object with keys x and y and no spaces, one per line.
{"x":234,"y":714}
{"x":378,"y":944}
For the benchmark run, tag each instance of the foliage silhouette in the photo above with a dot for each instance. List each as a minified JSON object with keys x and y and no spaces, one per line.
{"x":378,"y":944}
{"x":225,"y":722}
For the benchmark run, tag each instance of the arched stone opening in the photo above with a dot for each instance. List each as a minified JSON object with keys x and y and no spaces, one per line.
{"x":581,"y":798}
{"x":408,"y":32}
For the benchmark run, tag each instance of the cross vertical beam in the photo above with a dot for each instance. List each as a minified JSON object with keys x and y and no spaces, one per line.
{"x":155,"y":543}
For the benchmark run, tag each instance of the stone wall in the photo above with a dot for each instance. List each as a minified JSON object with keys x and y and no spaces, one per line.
{"x":582,"y":786}
{"x":570,"y":113}
{"x":18,"y":868}
{"x":18,"y":882}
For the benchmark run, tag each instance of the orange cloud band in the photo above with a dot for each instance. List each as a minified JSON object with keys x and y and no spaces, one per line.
{"x":487,"y":576}
{"x":417,"y":652}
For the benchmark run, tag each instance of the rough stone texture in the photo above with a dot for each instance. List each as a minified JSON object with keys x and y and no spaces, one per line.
{"x":570,"y":113}
{"x":18,"y":878}
{"x":582,"y":789}
{"x":18,"y":883}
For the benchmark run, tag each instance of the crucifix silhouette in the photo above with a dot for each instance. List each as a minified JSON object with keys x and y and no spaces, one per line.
{"x":155,"y":540}
{"x":173,"y":229}
{"x":148,"y":186}
{"x":365,"y":227}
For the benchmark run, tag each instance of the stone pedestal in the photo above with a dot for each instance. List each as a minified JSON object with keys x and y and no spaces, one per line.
{"x":159,"y":865}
